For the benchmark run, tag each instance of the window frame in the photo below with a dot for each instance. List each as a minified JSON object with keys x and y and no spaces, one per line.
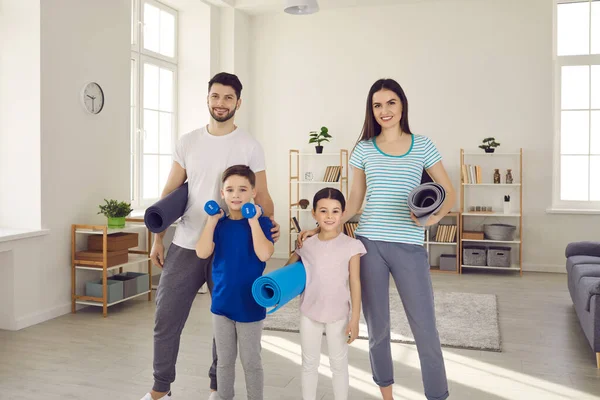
{"x":559,"y":205}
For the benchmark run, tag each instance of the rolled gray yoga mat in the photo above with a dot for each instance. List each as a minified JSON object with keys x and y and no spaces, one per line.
{"x":163,"y":213}
{"x":425,"y":200}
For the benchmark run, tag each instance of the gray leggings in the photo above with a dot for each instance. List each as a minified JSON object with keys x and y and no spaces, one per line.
{"x":228,"y":335}
{"x":409,"y":266}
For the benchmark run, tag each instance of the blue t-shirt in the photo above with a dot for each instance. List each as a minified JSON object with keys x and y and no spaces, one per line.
{"x":235,"y":268}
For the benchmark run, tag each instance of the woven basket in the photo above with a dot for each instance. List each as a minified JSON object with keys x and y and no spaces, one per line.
{"x":499,"y":232}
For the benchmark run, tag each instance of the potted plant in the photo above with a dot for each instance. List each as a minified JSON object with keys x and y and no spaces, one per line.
{"x":489,"y":145}
{"x":318,"y":137}
{"x":115,"y":212}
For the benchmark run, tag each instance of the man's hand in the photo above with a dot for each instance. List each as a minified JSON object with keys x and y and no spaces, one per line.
{"x":157,"y":255}
{"x":275,"y":231}
{"x":305,"y":235}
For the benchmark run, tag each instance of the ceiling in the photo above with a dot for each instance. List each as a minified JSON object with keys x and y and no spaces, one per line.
{"x":256,"y":7}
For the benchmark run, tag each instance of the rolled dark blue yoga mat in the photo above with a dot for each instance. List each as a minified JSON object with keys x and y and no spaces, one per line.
{"x":277,"y":288}
{"x":425,"y":200}
{"x":163,"y":213}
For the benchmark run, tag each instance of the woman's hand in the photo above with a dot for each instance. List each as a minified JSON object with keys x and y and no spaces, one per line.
{"x":303,"y":235}
{"x":432,"y":220}
{"x":352,"y":330}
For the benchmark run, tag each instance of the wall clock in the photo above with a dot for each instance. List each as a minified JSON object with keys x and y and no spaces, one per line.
{"x":92,"y":97}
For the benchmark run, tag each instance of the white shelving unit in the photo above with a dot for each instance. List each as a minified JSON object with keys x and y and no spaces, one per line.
{"x":442,"y":247}
{"x":493,"y":194}
{"x":300,"y":188}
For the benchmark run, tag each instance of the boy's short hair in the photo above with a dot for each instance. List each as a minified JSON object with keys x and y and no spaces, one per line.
{"x":227,"y":79}
{"x":240,"y":170}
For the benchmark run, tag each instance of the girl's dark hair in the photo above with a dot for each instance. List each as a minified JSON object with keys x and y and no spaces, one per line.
{"x":329,"y":193}
{"x":240,"y":170}
{"x":370,"y":127}
{"x":227,"y":79}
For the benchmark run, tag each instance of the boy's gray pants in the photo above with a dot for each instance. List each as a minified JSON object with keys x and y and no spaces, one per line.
{"x":229,"y":334}
{"x":409,"y":266}
{"x":182,"y":276}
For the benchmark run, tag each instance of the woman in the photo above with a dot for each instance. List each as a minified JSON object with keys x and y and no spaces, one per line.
{"x":387,"y":162}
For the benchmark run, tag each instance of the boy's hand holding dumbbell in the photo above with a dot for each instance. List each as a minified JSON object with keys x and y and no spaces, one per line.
{"x":251,"y":211}
{"x":214,"y":211}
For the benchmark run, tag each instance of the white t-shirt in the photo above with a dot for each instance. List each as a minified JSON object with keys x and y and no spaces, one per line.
{"x":205,"y":157}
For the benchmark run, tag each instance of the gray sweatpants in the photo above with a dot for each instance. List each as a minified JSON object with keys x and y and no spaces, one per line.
{"x":409,"y":266}
{"x":228,"y":335}
{"x":182,"y":276}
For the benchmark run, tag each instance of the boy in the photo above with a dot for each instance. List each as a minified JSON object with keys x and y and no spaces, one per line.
{"x":241,"y":248}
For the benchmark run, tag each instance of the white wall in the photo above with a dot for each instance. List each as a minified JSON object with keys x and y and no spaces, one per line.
{"x":470,"y":69}
{"x":20,"y":114}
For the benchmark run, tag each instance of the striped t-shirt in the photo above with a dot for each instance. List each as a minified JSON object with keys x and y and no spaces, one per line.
{"x":390,"y":179}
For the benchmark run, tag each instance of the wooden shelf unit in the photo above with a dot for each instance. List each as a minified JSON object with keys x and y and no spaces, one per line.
{"x":134,"y":257}
{"x":455,"y":244}
{"x":309,"y":188}
{"x":516,"y":161}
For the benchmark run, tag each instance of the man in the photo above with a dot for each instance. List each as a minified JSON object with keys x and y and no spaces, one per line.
{"x":200,"y":156}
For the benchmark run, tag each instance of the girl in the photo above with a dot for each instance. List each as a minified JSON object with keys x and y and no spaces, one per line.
{"x":387,"y":164}
{"x":331,"y":259}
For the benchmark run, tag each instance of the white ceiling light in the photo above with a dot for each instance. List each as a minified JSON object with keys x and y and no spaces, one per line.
{"x":301,"y":7}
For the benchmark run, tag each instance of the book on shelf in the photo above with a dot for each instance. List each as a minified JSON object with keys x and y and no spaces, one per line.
{"x":471,"y":173}
{"x":295,"y":225}
{"x":332,"y":173}
{"x":445,"y":233}
{"x":350,"y":228}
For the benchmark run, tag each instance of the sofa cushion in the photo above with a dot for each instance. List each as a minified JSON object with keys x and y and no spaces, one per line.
{"x":574,"y":260}
{"x":582,"y":270}
{"x":586,"y":288}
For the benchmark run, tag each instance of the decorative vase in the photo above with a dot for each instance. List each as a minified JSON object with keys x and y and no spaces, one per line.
{"x":507,"y":207}
{"x":303,"y":203}
{"x":319,"y":149}
{"x":509,"y":177}
{"x":490,"y":150}
{"x":496,"y":175}
{"x":116,"y":222}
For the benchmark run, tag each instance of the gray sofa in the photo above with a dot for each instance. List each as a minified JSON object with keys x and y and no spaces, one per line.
{"x":583,"y":274}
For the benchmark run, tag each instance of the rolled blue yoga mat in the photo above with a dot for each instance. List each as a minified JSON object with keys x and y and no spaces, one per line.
{"x":163,"y":213}
{"x":276,"y":288}
{"x":425,"y":200}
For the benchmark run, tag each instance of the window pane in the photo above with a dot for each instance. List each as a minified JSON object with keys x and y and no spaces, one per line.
{"x":166,"y":90}
{"x":150,"y":131}
{"x":574,"y":178}
{"x":150,"y":179}
{"x":133,"y":77}
{"x":573,"y":29}
{"x":165,"y":133}
{"x":165,"y":168}
{"x":150,"y":86}
{"x":595,"y":134}
{"x":595,"y":178}
{"x":131,"y":180}
{"x":575,"y":132}
{"x":595,"y":85}
{"x":575,"y":87}
{"x":167,"y":34}
{"x":596,"y":27}
{"x":151,"y":27}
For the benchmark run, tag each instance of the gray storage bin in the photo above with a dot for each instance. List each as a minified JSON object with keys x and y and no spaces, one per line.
{"x":502,"y":232}
{"x":129,"y":284}
{"x":139,"y":280}
{"x":448,"y":262}
{"x":474,"y":255}
{"x":114,"y":289}
{"x":498,"y":257}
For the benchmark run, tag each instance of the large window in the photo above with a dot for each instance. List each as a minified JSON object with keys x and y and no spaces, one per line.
{"x":577,"y":55}
{"x":153,"y":98}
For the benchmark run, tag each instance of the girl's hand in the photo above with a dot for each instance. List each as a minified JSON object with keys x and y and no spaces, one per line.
{"x":305,"y":235}
{"x":432,"y":220}
{"x":352,"y":330}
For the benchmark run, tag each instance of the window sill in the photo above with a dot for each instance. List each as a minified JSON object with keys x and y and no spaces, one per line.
{"x":572,"y":211}
{"x":8,"y":234}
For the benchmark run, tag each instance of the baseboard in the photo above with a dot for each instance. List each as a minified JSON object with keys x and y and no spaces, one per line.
{"x":41,"y":316}
{"x":552,"y":268}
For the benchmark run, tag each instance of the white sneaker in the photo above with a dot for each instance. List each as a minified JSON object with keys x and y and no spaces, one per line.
{"x":214,"y":396}
{"x":148,"y":396}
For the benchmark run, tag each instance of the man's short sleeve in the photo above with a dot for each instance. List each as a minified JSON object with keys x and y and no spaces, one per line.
{"x":357,"y":157}
{"x":257,"y":159}
{"x":179,"y":153}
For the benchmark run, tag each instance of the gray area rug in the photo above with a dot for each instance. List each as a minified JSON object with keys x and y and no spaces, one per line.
{"x":464,"y":320}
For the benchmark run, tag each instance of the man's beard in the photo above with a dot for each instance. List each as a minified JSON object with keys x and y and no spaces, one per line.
{"x":224,"y":118}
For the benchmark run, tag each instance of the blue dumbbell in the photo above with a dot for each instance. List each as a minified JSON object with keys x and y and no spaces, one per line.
{"x":212,"y":207}
{"x":249,"y":210}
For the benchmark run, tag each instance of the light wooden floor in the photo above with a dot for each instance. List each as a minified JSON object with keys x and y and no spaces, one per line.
{"x":84,"y":356}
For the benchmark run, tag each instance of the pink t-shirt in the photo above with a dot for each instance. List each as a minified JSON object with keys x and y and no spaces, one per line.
{"x":326,"y":296}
